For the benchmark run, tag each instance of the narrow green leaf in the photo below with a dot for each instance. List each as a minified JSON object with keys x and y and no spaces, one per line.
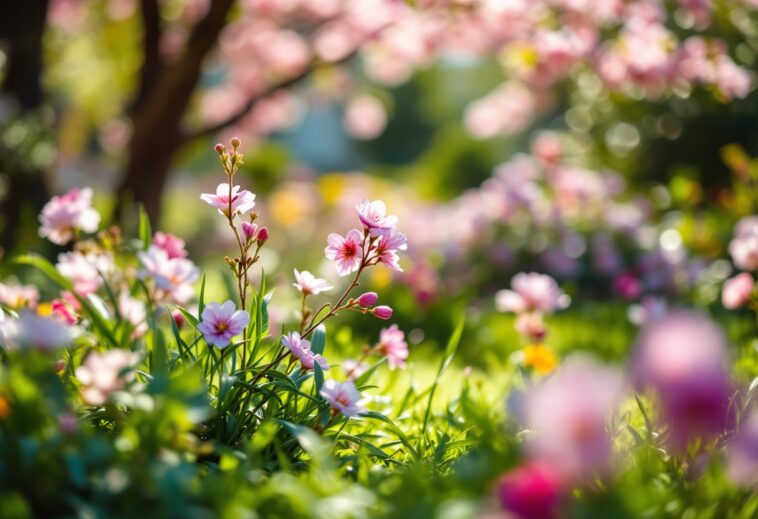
{"x":145,"y":231}
{"x":44,"y":266}
{"x":318,"y":340}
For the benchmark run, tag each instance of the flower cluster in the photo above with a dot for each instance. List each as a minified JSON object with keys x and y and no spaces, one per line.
{"x":738,"y":291}
{"x":65,"y":216}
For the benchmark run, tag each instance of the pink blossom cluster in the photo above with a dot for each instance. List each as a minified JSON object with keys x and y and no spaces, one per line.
{"x":102,"y":374}
{"x":531,"y":296}
{"x":301,"y":349}
{"x":173,"y":277}
{"x":66,"y":215}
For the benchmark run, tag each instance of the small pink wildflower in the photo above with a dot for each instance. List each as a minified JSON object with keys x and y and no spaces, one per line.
{"x":174,"y":277}
{"x":343,"y":397}
{"x":242,"y":202}
{"x":393,"y":346}
{"x":64,"y":215}
{"x":102,"y":374}
{"x":309,"y":284}
{"x":17,"y":296}
{"x":373,"y":216}
{"x":86,"y":271}
{"x":220,"y":323}
{"x":531,"y":292}
{"x":387,"y":248}
{"x":249,"y":230}
{"x":346,"y":251}
{"x":301,"y":349}
{"x":173,"y":245}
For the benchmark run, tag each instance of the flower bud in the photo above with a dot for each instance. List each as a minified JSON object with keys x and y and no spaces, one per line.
{"x":178,"y":318}
{"x":236,"y":142}
{"x":219,"y":148}
{"x":368,"y":299}
{"x":262,"y":236}
{"x":383,"y":312}
{"x":249,"y":230}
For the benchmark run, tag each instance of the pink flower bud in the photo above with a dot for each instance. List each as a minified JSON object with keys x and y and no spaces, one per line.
{"x":219,"y":148}
{"x":262,"y":236}
{"x":178,"y":318}
{"x":249,"y":230}
{"x":236,"y":142}
{"x":368,"y":299}
{"x":383,"y":312}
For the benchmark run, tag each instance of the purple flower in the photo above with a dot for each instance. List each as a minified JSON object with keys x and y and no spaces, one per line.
{"x":222,"y":322}
{"x":346,"y":251}
{"x":373,"y":216}
{"x":343,"y":397}
{"x":309,"y":284}
{"x":683,"y":358}
{"x":301,"y":349}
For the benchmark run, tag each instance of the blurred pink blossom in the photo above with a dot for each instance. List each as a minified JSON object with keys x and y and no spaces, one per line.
{"x":744,"y":246}
{"x":365,"y":117}
{"x":737,"y":291}
{"x":343,"y":397}
{"x":393,"y":346}
{"x":530,"y":292}
{"x":309,"y":284}
{"x":532,"y":491}
{"x":63,"y":216}
{"x":102,"y":374}
{"x":86,"y":271}
{"x":173,"y":245}
{"x":17,"y":296}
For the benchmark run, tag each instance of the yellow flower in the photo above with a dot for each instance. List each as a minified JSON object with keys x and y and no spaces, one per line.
{"x":540,"y":358}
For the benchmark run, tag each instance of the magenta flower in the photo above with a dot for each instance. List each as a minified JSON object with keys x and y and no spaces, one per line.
{"x":249,"y":230}
{"x":393,"y":346}
{"x":531,"y":292}
{"x":373,"y":216}
{"x":343,"y":397}
{"x":367,"y":299}
{"x":173,"y":245}
{"x":64,"y":215}
{"x":530,"y":492}
{"x":309,"y":284}
{"x":387,"y":248}
{"x":301,"y":349}
{"x":737,"y":291}
{"x":222,"y":322}
{"x":683,"y":358}
{"x":102,"y":374}
{"x":569,"y":414}
{"x":346,"y":251}
{"x":242,"y":202}
{"x":382,"y":312}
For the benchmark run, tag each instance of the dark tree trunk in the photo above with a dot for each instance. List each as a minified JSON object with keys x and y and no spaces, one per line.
{"x":21,"y":27}
{"x":160,"y":106}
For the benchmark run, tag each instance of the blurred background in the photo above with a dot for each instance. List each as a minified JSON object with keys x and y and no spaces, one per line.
{"x":606,"y":142}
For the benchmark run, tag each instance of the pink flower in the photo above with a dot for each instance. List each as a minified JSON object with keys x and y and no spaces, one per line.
{"x":309,"y":284}
{"x":173,"y":277}
{"x":347,"y":251}
{"x":365,"y":117}
{"x":683,"y":358}
{"x":531,"y":292}
{"x":86,"y":271}
{"x":530,"y":492}
{"x":627,"y":286}
{"x":242,"y":202}
{"x":368,"y":299}
{"x":220,"y":323}
{"x":64,"y":311}
{"x":393,"y":346}
{"x":44,"y":333}
{"x":373,"y":216}
{"x":744,"y":247}
{"x":737,"y":291}
{"x":343,"y":397}
{"x":386,"y":250}
{"x":64,"y":215}
{"x":262,"y":236}
{"x":301,"y":349}
{"x":382,"y":312}
{"x":743,"y":454}
{"x":173,"y":245}
{"x":569,"y":414}
{"x":17,"y":296}
{"x":354,"y":369}
{"x":102,"y":374}
{"x":133,"y":311}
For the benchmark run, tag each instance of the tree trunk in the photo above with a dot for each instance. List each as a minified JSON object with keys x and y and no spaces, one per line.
{"x":162,"y":101}
{"x":21,"y":26}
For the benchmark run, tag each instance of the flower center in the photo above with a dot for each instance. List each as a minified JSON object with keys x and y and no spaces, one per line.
{"x":222,"y":327}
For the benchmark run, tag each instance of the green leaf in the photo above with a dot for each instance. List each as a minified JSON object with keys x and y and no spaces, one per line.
{"x":308,"y":439}
{"x":318,"y":376}
{"x":201,"y":302}
{"x":145,"y":232}
{"x":44,"y":266}
{"x":318,"y":340}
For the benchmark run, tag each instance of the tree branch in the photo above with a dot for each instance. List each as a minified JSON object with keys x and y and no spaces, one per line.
{"x":151,"y":38}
